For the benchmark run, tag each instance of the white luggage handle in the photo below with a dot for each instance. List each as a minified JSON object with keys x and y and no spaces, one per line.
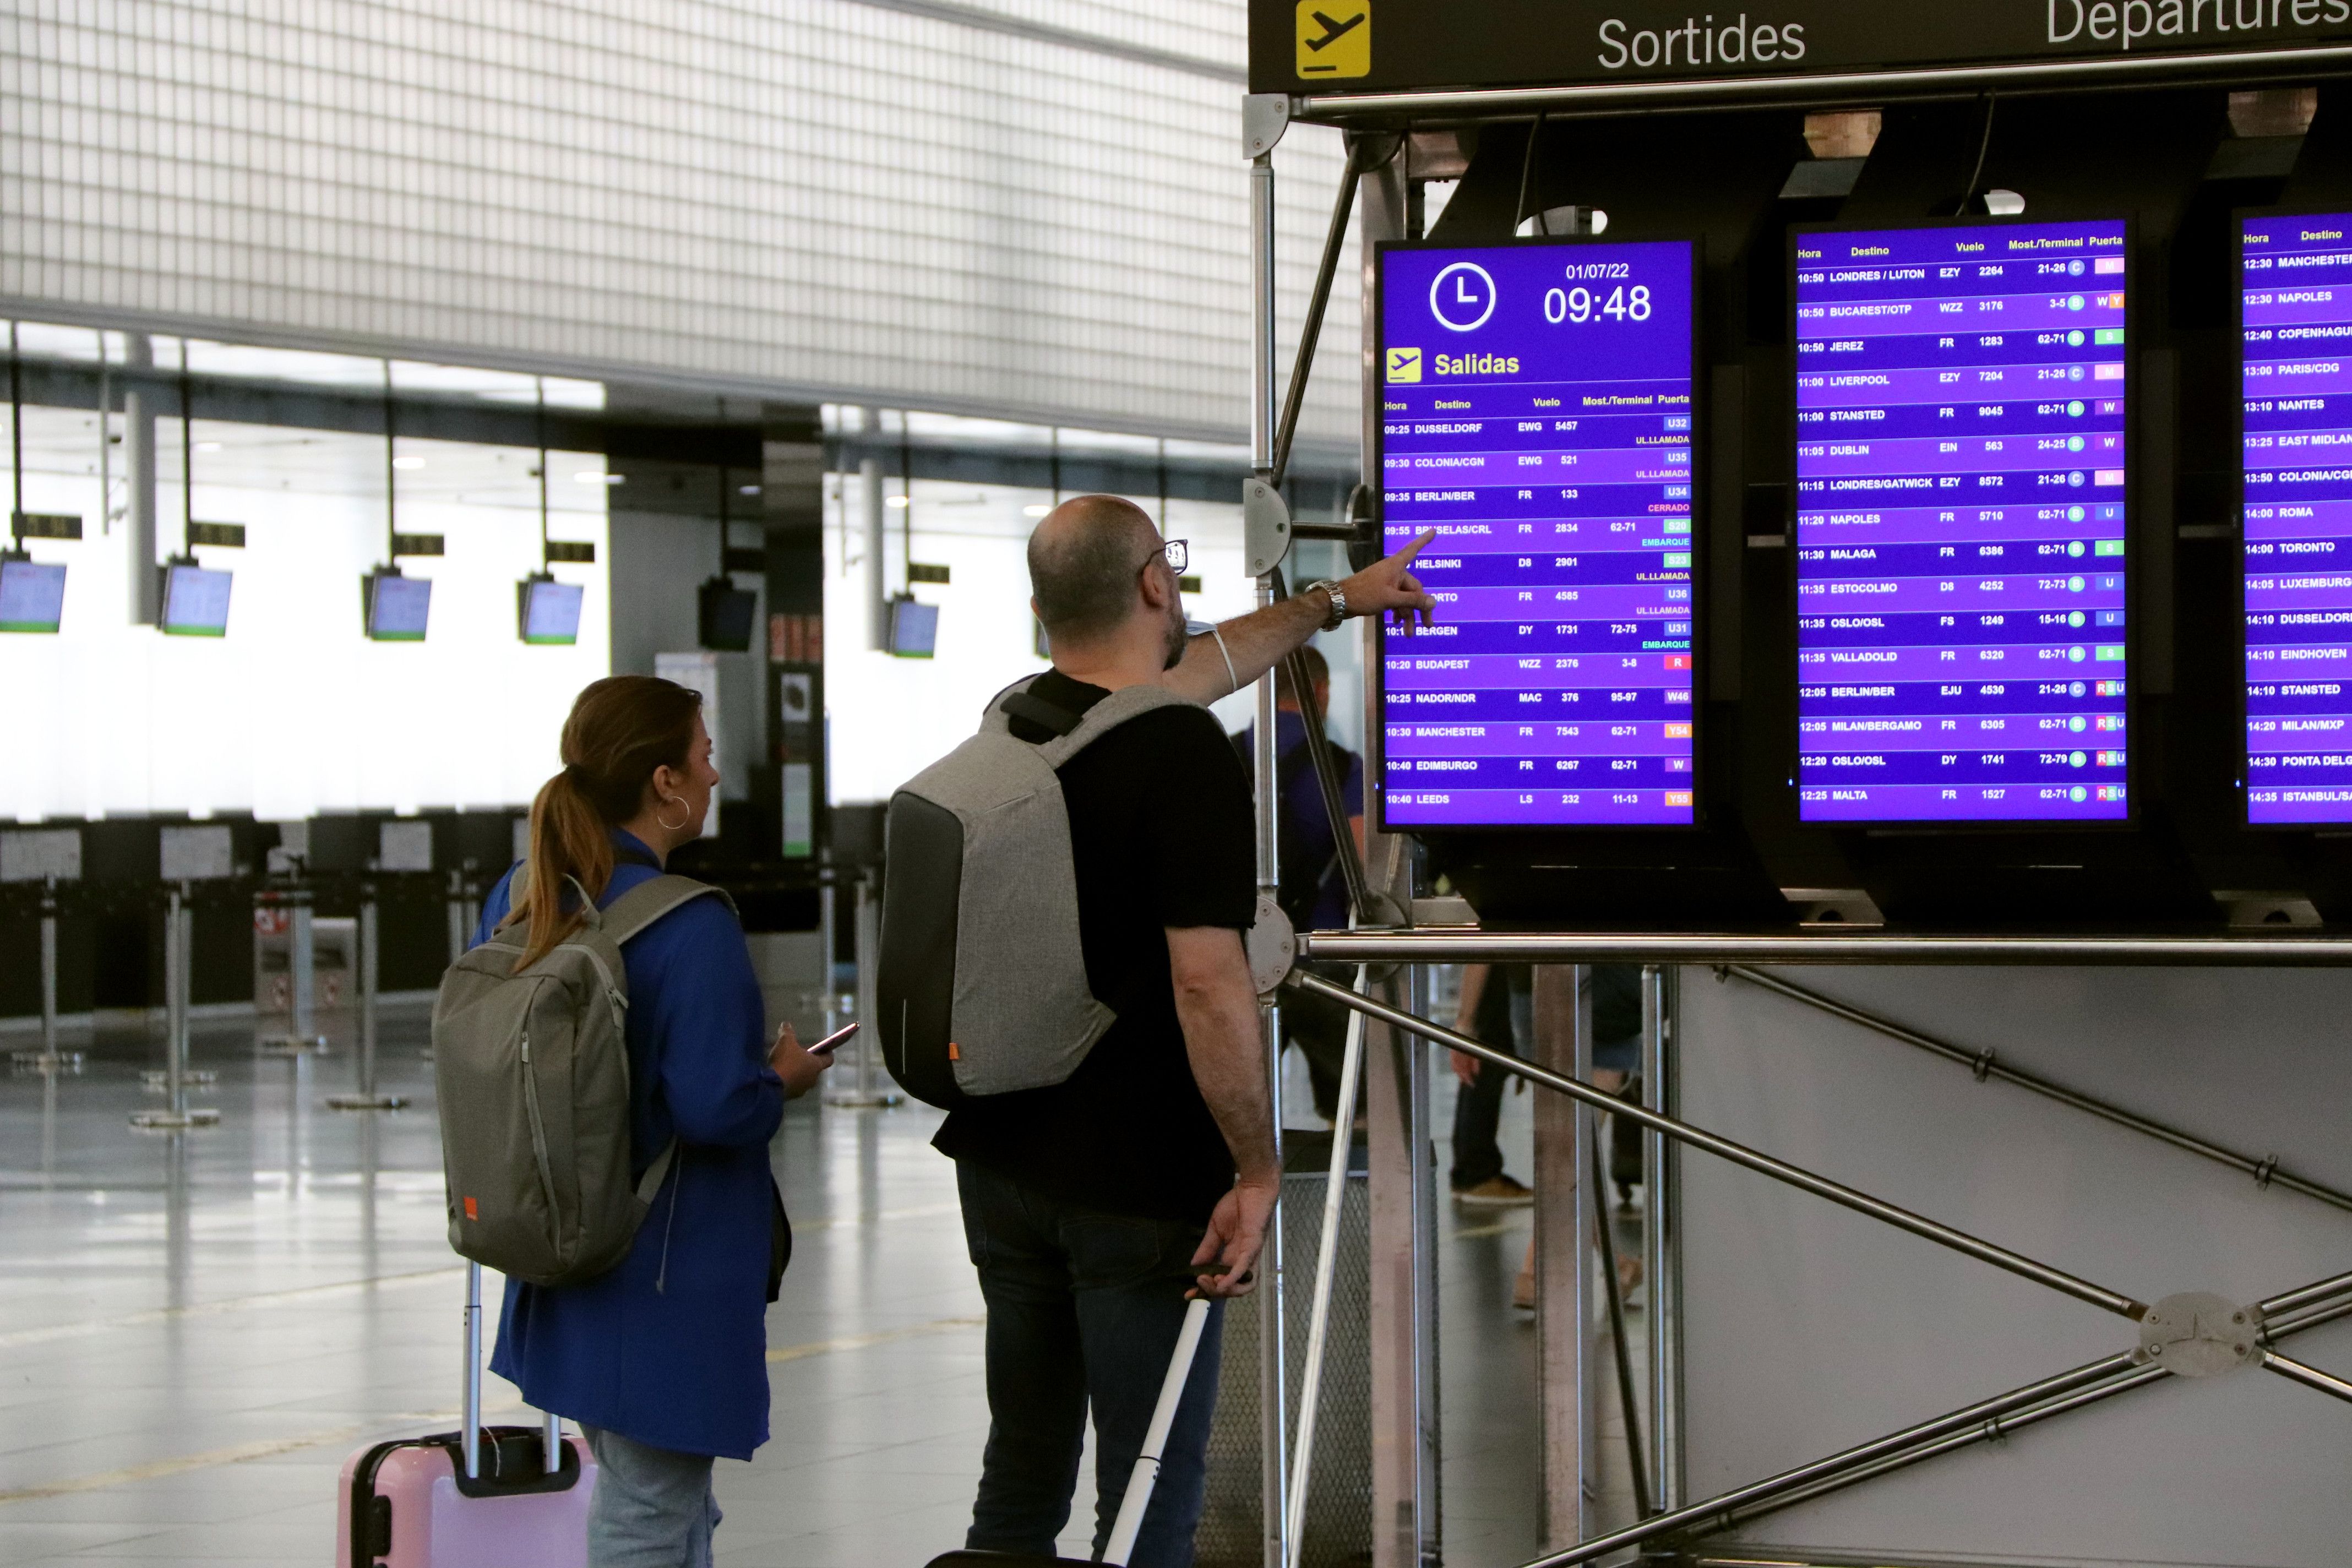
{"x":550,"y":1442}
{"x":1139,"y":1485}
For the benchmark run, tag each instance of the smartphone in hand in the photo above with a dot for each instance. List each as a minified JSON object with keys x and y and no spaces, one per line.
{"x":826,"y":1046}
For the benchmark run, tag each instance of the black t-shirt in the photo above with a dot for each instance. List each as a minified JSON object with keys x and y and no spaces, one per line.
{"x":1162,"y":831}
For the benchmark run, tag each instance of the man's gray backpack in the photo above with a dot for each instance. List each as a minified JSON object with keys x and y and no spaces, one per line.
{"x":982,"y":986}
{"x":532,"y":1072}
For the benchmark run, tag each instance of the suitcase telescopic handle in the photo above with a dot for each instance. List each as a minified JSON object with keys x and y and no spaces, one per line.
{"x":550,"y":1442}
{"x":1146,"y":1475}
{"x":472,"y":1405}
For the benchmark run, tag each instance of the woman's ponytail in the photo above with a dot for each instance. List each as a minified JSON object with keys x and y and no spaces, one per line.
{"x":620,"y":730}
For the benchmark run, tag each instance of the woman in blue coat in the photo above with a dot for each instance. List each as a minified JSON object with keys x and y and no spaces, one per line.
{"x":663,"y":1361}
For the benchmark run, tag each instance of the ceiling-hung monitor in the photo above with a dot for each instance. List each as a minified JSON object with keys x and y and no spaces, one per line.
{"x":724,"y":615}
{"x":32,"y":594}
{"x":547,"y":613}
{"x":2295,"y":327}
{"x":397,"y":607}
{"x":1963,"y":498}
{"x":195,"y":601}
{"x":914,"y":629}
{"x":1536,"y":412}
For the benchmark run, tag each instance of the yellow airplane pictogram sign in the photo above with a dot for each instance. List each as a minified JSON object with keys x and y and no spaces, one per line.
{"x":1404,"y":364}
{"x":1335,"y":38}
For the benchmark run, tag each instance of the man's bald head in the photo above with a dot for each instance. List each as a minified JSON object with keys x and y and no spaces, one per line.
{"x":1083,"y":561}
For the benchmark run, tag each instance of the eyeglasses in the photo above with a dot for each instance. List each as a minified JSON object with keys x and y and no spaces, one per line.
{"x":1178,"y":555}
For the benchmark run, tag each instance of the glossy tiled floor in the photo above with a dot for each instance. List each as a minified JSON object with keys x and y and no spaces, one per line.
{"x":195,"y":1329}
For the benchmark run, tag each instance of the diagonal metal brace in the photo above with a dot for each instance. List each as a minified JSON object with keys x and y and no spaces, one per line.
{"x":1711,"y":1513}
{"x":2309,"y":1376}
{"x":1737,"y":1154}
{"x":1999,"y":1427}
{"x":1985,"y":1064}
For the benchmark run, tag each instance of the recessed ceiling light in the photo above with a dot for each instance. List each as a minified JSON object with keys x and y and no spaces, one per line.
{"x":749,"y":491}
{"x":596,"y":477}
{"x":408,"y":462}
{"x":208,"y":446}
{"x":893,"y":501}
{"x":1039,"y":510}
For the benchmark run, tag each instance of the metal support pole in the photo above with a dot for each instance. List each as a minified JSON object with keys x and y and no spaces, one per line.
{"x":471,"y":1439}
{"x":1261,"y":307}
{"x":460,"y":931}
{"x":1274,"y":1372}
{"x":1564,"y":1259}
{"x":1406,"y":1432}
{"x":1274,"y":1383}
{"x":551,"y":1443}
{"x":825,"y":939}
{"x":49,"y":1059}
{"x":1327,"y":1267}
{"x":49,"y":973}
{"x":1741,"y":1154}
{"x":1613,"y":947}
{"x":139,"y":448}
{"x":1661,"y":1241}
{"x":302,"y":970}
{"x":175,"y":1003}
{"x":369,"y":1097}
{"x":868,"y":1092}
{"x":1984,"y":1065}
{"x":301,"y":980}
{"x":176,"y":1115}
{"x":877,"y":578}
{"x":1613,"y":1286}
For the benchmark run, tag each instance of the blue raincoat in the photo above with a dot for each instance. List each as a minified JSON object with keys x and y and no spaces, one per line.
{"x":670,"y":1348}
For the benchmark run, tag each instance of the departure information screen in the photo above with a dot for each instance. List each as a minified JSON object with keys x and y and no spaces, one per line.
{"x":2296,"y":277}
{"x":1535,"y":412}
{"x":1961,"y":410}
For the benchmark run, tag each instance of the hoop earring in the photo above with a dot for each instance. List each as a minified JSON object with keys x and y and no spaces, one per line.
{"x":679,"y":825}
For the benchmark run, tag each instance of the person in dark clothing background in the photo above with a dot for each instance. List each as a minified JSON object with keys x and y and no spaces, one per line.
{"x":1314,"y":891}
{"x":1496,"y":1008}
{"x":1094,"y":1207}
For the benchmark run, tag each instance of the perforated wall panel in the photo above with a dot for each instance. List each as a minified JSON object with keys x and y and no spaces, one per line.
{"x":1034,"y":206}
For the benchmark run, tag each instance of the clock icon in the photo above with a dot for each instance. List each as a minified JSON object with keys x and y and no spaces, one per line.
{"x":1462,"y":297}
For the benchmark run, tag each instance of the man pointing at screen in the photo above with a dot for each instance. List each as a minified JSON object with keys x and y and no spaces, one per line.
{"x":1095,"y":1207}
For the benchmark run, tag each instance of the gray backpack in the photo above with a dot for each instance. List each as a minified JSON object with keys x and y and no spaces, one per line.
{"x":982,"y":987}
{"x":532,"y":1074}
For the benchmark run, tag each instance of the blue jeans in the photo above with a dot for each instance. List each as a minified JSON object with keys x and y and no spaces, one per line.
{"x":651,"y":1508}
{"x":1083,"y":1308}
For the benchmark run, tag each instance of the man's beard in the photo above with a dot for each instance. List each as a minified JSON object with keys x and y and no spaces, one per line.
{"x":1176,"y":638}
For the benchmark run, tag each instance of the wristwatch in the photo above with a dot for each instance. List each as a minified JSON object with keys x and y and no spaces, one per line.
{"x":1339,"y":598}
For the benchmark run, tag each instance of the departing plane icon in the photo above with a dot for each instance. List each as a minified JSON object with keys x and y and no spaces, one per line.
{"x":1334,"y":37}
{"x":1333,"y":31}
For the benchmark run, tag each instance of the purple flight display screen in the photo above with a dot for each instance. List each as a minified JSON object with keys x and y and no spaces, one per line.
{"x":1961,"y":407}
{"x":1536,"y":411}
{"x":2297,"y":297}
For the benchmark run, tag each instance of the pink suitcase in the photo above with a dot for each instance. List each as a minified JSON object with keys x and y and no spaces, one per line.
{"x":443,"y":1502}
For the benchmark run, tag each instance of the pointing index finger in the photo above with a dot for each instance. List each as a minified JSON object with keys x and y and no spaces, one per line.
{"x":1404,"y":557}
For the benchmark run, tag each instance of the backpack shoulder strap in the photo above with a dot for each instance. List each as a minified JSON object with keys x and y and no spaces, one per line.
{"x":1127,"y":702}
{"x":1046,"y":715}
{"x":646,"y":902}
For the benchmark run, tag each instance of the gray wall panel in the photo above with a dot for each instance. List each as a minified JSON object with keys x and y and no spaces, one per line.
{"x":1809,"y":1329}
